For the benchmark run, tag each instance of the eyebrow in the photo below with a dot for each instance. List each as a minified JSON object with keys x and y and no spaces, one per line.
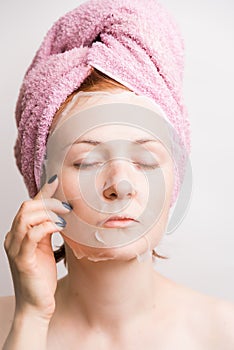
{"x":95,"y":142}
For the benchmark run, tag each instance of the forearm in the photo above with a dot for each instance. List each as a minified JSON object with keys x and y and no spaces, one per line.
{"x":27,"y":332}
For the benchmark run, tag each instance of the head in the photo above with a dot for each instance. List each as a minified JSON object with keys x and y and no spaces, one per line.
{"x":138,"y":46}
{"x":111,"y":175}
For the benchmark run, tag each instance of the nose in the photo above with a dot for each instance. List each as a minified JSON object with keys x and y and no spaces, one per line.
{"x":117,"y":185}
{"x":121,"y":190}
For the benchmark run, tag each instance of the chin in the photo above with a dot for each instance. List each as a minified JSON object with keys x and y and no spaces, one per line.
{"x":125,"y":253}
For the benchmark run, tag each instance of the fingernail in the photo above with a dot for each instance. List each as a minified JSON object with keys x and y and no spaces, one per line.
{"x":62,"y":222}
{"x":67,"y":206}
{"x":52,"y":179}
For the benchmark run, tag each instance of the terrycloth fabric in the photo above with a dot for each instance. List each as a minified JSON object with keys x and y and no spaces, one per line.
{"x":133,"y":41}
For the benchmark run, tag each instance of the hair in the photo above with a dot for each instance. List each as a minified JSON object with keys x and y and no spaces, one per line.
{"x":96,"y":81}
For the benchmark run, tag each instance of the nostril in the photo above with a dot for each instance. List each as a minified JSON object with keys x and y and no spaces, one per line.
{"x":110,"y":193}
{"x":121,"y":190}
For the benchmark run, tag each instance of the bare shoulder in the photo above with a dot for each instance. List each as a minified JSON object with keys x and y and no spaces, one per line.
{"x":210,"y":318}
{"x":7,"y":308}
{"x":224,"y":322}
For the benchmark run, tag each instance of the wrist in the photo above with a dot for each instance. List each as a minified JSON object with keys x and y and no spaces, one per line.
{"x":24,"y":319}
{"x":29,"y":313}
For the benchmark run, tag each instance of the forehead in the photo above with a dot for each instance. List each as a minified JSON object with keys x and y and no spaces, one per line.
{"x":104,"y":118}
{"x":105,"y":133}
{"x":87,"y":99}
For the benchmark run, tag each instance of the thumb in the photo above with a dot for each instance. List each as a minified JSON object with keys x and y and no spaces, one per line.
{"x":48,"y":189}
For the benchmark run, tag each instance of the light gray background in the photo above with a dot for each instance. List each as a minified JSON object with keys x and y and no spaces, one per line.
{"x":201,"y":250}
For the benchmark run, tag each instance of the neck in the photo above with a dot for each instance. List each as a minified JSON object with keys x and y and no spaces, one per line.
{"x":112,"y":292}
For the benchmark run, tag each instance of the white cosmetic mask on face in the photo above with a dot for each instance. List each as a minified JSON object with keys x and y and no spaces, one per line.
{"x":144,"y":203}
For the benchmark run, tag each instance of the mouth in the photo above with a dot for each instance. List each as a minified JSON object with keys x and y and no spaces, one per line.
{"x":119,"y":221}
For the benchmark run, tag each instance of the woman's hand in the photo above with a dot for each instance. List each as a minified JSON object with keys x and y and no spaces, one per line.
{"x":30,"y":254}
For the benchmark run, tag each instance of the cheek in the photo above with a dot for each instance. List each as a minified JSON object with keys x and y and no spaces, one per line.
{"x":70,"y":183}
{"x":69,"y":191}
{"x":69,"y":188}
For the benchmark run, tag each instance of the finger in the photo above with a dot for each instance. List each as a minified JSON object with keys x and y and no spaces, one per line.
{"x":48,"y":189}
{"x":27,"y":208}
{"x":60,"y":207}
{"x":26,"y":220}
{"x":7,"y":240}
{"x":45,"y":243}
{"x":25,"y":224}
{"x":34,"y":237}
{"x":17,"y":239}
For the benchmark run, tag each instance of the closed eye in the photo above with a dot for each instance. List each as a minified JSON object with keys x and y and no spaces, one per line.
{"x":85,"y":165}
{"x":143,"y":165}
{"x":147,"y":166}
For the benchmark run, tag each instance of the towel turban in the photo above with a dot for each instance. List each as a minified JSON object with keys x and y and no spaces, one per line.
{"x":135,"y":42}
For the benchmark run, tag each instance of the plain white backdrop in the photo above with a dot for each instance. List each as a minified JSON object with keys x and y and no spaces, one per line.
{"x":201,"y":250}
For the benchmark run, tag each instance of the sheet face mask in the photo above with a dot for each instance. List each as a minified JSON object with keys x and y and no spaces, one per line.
{"x":104,"y":112}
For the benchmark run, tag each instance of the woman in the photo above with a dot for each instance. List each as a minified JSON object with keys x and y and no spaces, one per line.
{"x":111,"y":298}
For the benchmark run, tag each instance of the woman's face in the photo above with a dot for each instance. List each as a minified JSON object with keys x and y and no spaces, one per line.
{"x":115,"y":170}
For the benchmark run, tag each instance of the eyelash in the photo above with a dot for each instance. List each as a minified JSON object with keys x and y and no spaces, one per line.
{"x":147,"y":166}
{"x":85,"y":166}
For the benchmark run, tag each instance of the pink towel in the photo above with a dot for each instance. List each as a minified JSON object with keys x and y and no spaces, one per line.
{"x":133,"y":41}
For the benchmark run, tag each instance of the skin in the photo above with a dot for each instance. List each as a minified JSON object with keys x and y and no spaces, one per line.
{"x":107,"y":188}
{"x":105,"y":304}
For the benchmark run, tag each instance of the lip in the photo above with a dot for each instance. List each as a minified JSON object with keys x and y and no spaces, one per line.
{"x":119,"y":221}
